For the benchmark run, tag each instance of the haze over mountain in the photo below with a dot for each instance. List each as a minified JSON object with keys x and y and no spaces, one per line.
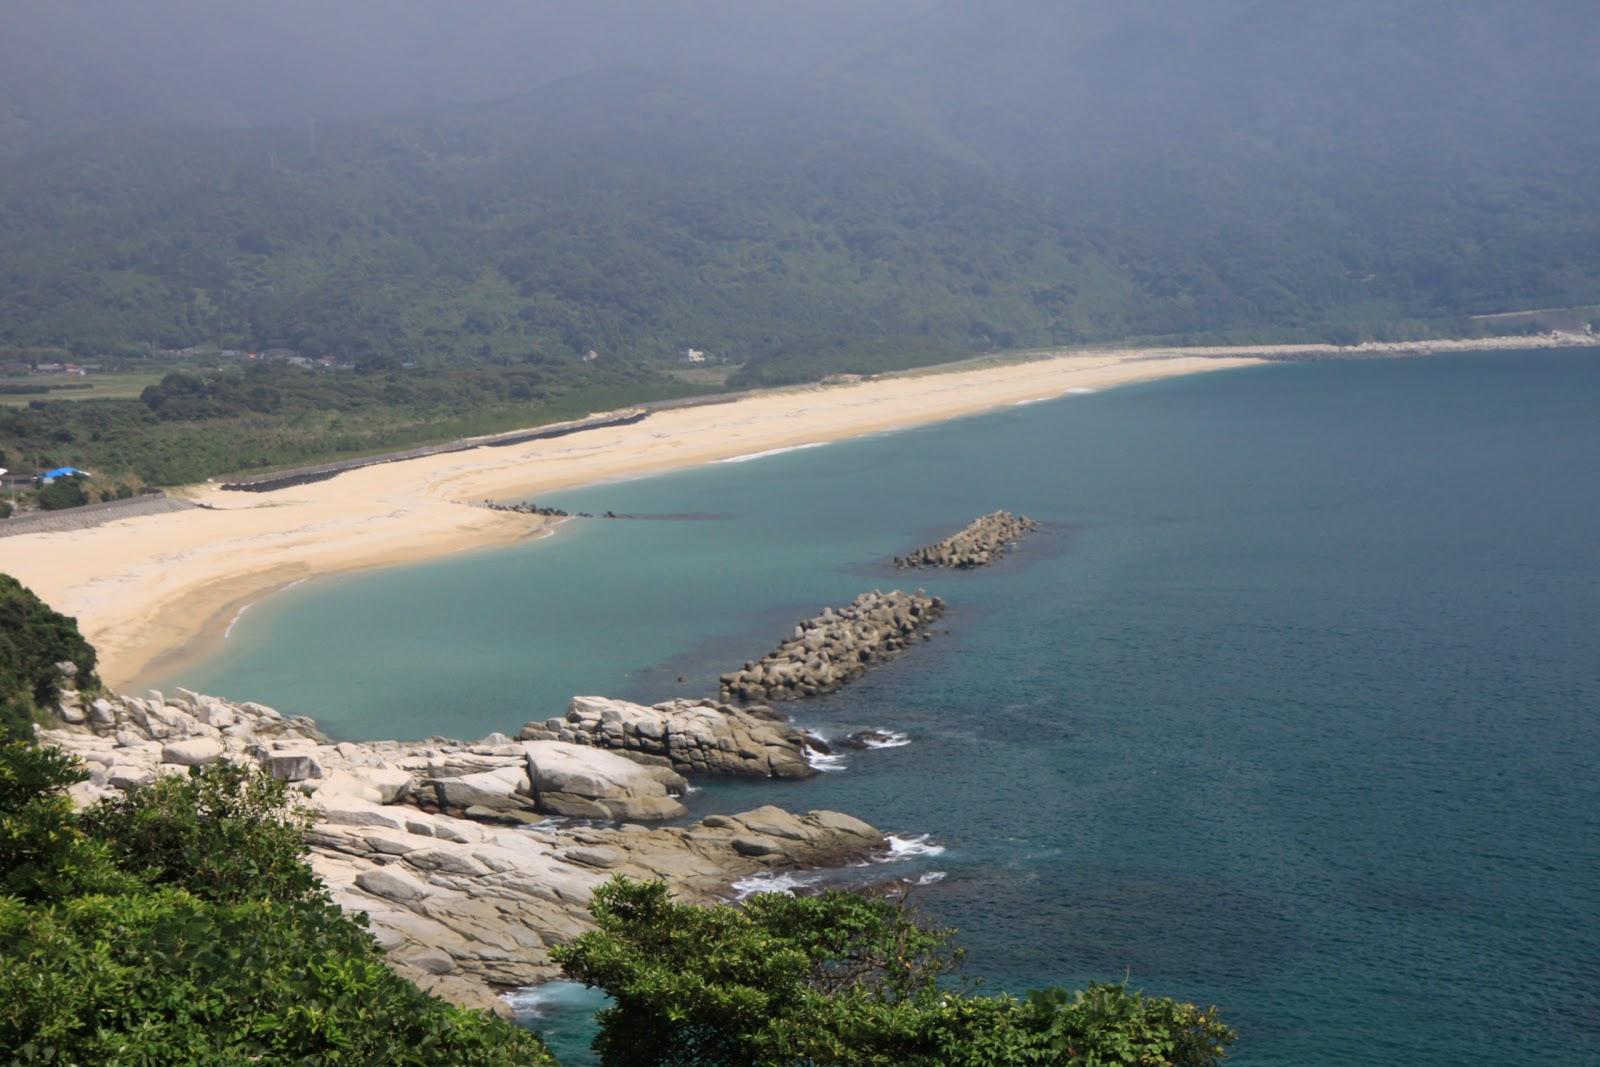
{"x":809,"y":188}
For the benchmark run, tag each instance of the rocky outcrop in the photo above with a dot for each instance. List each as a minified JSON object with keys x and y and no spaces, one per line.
{"x":690,"y":736}
{"x":130,"y":740}
{"x":983,"y":541}
{"x":835,"y":647}
{"x":464,"y":906}
{"x":577,"y":780}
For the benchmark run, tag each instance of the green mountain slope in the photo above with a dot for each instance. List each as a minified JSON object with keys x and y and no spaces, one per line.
{"x":957,"y":179}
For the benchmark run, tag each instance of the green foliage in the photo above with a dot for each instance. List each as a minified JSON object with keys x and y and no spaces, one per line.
{"x":641,"y":212}
{"x":814,"y":361}
{"x":1110,"y":1024}
{"x":197,"y":423}
{"x":33,"y":639}
{"x":44,"y":854}
{"x":841,"y":979}
{"x":165,"y":977}
{"x":182,"y":925}
{"x":63,"y":493}
{"x":225,"y":833}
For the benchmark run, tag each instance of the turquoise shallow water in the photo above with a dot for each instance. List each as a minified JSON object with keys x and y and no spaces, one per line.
{"x":1293,"y":707}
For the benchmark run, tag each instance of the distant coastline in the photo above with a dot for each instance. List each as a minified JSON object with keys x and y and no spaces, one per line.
{"x":152,"y":591}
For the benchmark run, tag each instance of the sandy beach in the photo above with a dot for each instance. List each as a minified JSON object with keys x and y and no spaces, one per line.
{"x":152,"y":590}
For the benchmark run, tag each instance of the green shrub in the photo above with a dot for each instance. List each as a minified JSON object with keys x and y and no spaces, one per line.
{"x":63,"y":493}
{"x":841,"y":979}
{"x":179,"y":959}
{"x":44,"y":853}
{"x":224,"y":833}
{"x":167,"y":978}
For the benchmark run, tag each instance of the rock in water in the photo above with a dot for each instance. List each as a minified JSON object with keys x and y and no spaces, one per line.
{"x":690,"y":736}
{"x":984,"y":540}
{"x":835,"y":647}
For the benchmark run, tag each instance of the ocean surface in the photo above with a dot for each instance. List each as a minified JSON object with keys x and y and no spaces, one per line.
{"x":1293,"y":707}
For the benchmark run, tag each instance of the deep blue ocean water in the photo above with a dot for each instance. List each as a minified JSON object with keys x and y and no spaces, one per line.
{"x":1293,"y":707}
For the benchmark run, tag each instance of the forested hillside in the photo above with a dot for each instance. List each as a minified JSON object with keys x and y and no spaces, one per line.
{"x":959,"y":175}
{"x":946,"y":179}
{"x":630,"y":212}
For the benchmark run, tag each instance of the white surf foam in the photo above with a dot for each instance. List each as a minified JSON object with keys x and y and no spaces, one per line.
{"x":825,"y":761}
{"x":914,"y":846}
{"x":1077,"y":390}
{"x":930,"y":878}
{"x":892,"y":739}
{"x":746,"y":458}
{"x":240,"y":613}
{"x":535,"y":1001}
{"x":235,"y":620}
{"x":766,"y":882}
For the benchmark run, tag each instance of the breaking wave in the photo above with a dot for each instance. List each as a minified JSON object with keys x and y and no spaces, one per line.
{"x":748,"y":456}
{"x":769,"y":882}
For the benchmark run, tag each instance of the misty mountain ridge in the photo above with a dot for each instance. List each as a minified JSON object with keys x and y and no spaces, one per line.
{"x":1017,"y":175}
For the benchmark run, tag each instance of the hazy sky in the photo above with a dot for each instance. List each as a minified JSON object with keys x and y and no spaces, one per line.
{"x":239,"y":62}
{"x":71,"y":65}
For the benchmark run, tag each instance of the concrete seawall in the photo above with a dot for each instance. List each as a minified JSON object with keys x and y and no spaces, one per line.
{"x":92,"y":515}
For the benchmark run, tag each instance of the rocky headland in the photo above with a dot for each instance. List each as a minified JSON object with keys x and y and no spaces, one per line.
{"x":471,"y":860}
{"x":685,"y":736}
{"x":982,"y":541}
{"x":835,"y":647}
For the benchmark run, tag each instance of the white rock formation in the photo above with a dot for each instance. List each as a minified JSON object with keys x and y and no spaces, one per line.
{"x":465,"y":907}
{"x":690,"y":736}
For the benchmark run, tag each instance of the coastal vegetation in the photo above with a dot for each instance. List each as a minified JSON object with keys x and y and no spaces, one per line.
{"x":182,"y":925}
{"x":199,"y":422}
{"x":846,"y":979}
{"x":34,"y":640}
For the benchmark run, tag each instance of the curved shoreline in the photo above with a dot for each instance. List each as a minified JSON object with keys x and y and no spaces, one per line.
{"x":154,"y":592}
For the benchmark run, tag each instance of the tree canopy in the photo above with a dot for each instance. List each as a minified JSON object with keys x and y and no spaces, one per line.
{"x":842,"y":979}
{"x":182,"y":925}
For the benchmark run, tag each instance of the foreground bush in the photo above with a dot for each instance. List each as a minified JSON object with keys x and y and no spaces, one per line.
{"x":181,"y":926}
{"x":227,"y":835}
{"x":840,"y":979}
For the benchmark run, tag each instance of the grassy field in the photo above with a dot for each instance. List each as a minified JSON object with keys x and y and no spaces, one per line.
{"x":101,"y":387}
